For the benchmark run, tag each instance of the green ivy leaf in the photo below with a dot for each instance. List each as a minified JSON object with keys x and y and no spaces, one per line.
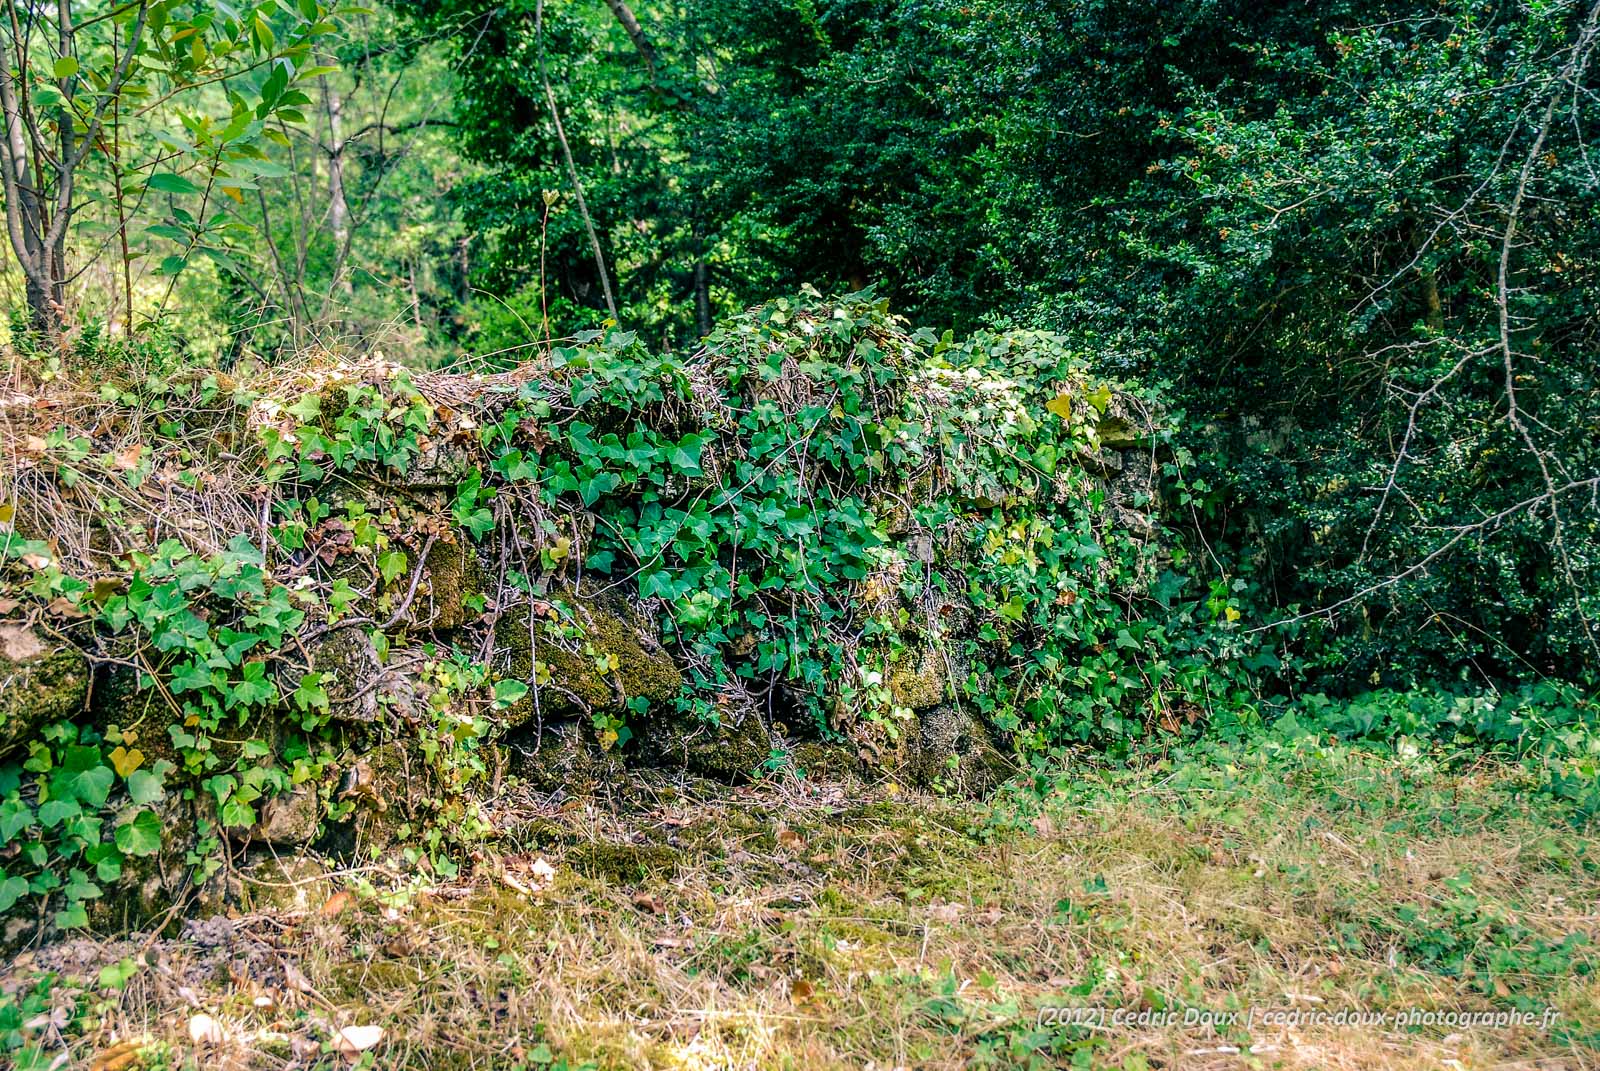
{"x":107,"y":861}
{"x":237,"y":814}
{"x":79,"y":887}
{"x":310,"y":695}
{"x":141,"y":836}
{"x":146,"y":786}
{"x":53,"y":812}
{"x":83,"y":776}
{"x":254,"y":689}
{"x":15,"y":816}
{"x":392,"y":565}
{"x":193,"y":676}
{"x":72,"y":917}
{"x":508,"y":692}
{"x":685,"y":457}
{"x":12,"y":889}
{"x":307,"y":409}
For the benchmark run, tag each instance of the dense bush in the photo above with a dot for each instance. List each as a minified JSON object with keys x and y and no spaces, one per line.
{"x":1298,"y":219}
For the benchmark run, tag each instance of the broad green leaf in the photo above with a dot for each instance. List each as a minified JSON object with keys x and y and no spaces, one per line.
{"x":508,"y":692}
{"x":73,"y":916}
{"x":53,"y":812}
{"x":80,"y":780}
{"x":167,"y":182}
{"x":391,"y":565}
{"x":15,"y":816}
{"x":310,"y":695}
{"x":306,"y":409}
{"x":12,"y":889}
{"x":141,"y":835}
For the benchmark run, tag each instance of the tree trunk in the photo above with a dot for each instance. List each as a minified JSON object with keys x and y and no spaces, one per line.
{"x":338,"y":206}
{"x":25,"y":221}
{"x":702,"y":298}
{"x":1431,"y":302}
{"x":636,"y":34}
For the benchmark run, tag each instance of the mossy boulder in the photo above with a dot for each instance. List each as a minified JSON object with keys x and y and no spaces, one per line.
{"x":289,"y":819}
{"x":595,"y":659}
{"x":452,"y":576}
{"x":731,"y":749}
{"x":40,"y":682}
{"x":272,"y":882}
{"x":623,"y":864}
{"x":382,"y":784}
{"x":562,"y":757}
{"x":918,"y":678}
{"x":824,"y":761}
{"x":951,"y":748}
{"x":147,"y":885}
{"x":350,"y":673}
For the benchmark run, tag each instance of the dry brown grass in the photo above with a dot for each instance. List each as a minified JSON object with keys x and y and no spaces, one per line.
{"x":809,"y":927}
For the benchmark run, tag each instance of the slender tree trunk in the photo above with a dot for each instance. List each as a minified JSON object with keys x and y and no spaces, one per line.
{"x":636,"y":34}
{"x":24,"y":215}
{"x":1431,"y":302}
{"x":416,"y":301}
{"x":338,"y":206}
{"x":572,"y":170}
{"x":37,"y":224}
{"x":702,"y":298}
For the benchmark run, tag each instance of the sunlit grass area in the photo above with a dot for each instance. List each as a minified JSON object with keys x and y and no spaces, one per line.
{"x":1118,"y":920}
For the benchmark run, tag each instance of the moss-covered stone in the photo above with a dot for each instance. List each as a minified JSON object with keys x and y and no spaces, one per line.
{"x":617,"y":658}
{"x":918,"y":678}
{"x":350,"y":668}
{"x":563,"y":757}
{"x":284,"y":883}
{"x":147,"y":884}
{"x":289,"y":819}
{"x":623,"y":864}
{"x":821,"y":761}
{"x":40,"y":682}
{"x":952,"y":749}
{"x":1116,"y":433}
{"x":731,"y":750}
{"x":382,"y":784}
{"x":453,"y":575}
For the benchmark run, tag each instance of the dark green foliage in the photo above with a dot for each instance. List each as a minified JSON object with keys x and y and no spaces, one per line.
{"x":1353,"y":247}
{"x":1298,"y":217}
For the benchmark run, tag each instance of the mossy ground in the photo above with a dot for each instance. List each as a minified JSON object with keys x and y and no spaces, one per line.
{"x":797,"y":925}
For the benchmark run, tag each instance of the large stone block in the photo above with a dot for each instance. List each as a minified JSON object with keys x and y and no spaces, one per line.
{"x":41,"y":681}
{"x":615,"y":659}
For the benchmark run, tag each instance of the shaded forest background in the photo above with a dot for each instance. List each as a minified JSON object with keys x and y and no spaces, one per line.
{"x":1356,"y":244}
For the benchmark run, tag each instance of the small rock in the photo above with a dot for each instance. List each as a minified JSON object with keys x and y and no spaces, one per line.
{"x":289,"y":819}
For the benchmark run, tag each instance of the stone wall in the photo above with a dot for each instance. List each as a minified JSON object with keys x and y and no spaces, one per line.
{"x":605,"y":667}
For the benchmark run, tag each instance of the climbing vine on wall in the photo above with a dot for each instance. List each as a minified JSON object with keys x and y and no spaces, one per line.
{"x":805,"y":509}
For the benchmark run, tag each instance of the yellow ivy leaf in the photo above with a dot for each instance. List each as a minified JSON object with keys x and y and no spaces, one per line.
{"x":1061,"y":405}
{"x":125,"y":762}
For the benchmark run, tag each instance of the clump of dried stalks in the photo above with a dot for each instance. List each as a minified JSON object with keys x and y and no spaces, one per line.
{"x":100,"y":473}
